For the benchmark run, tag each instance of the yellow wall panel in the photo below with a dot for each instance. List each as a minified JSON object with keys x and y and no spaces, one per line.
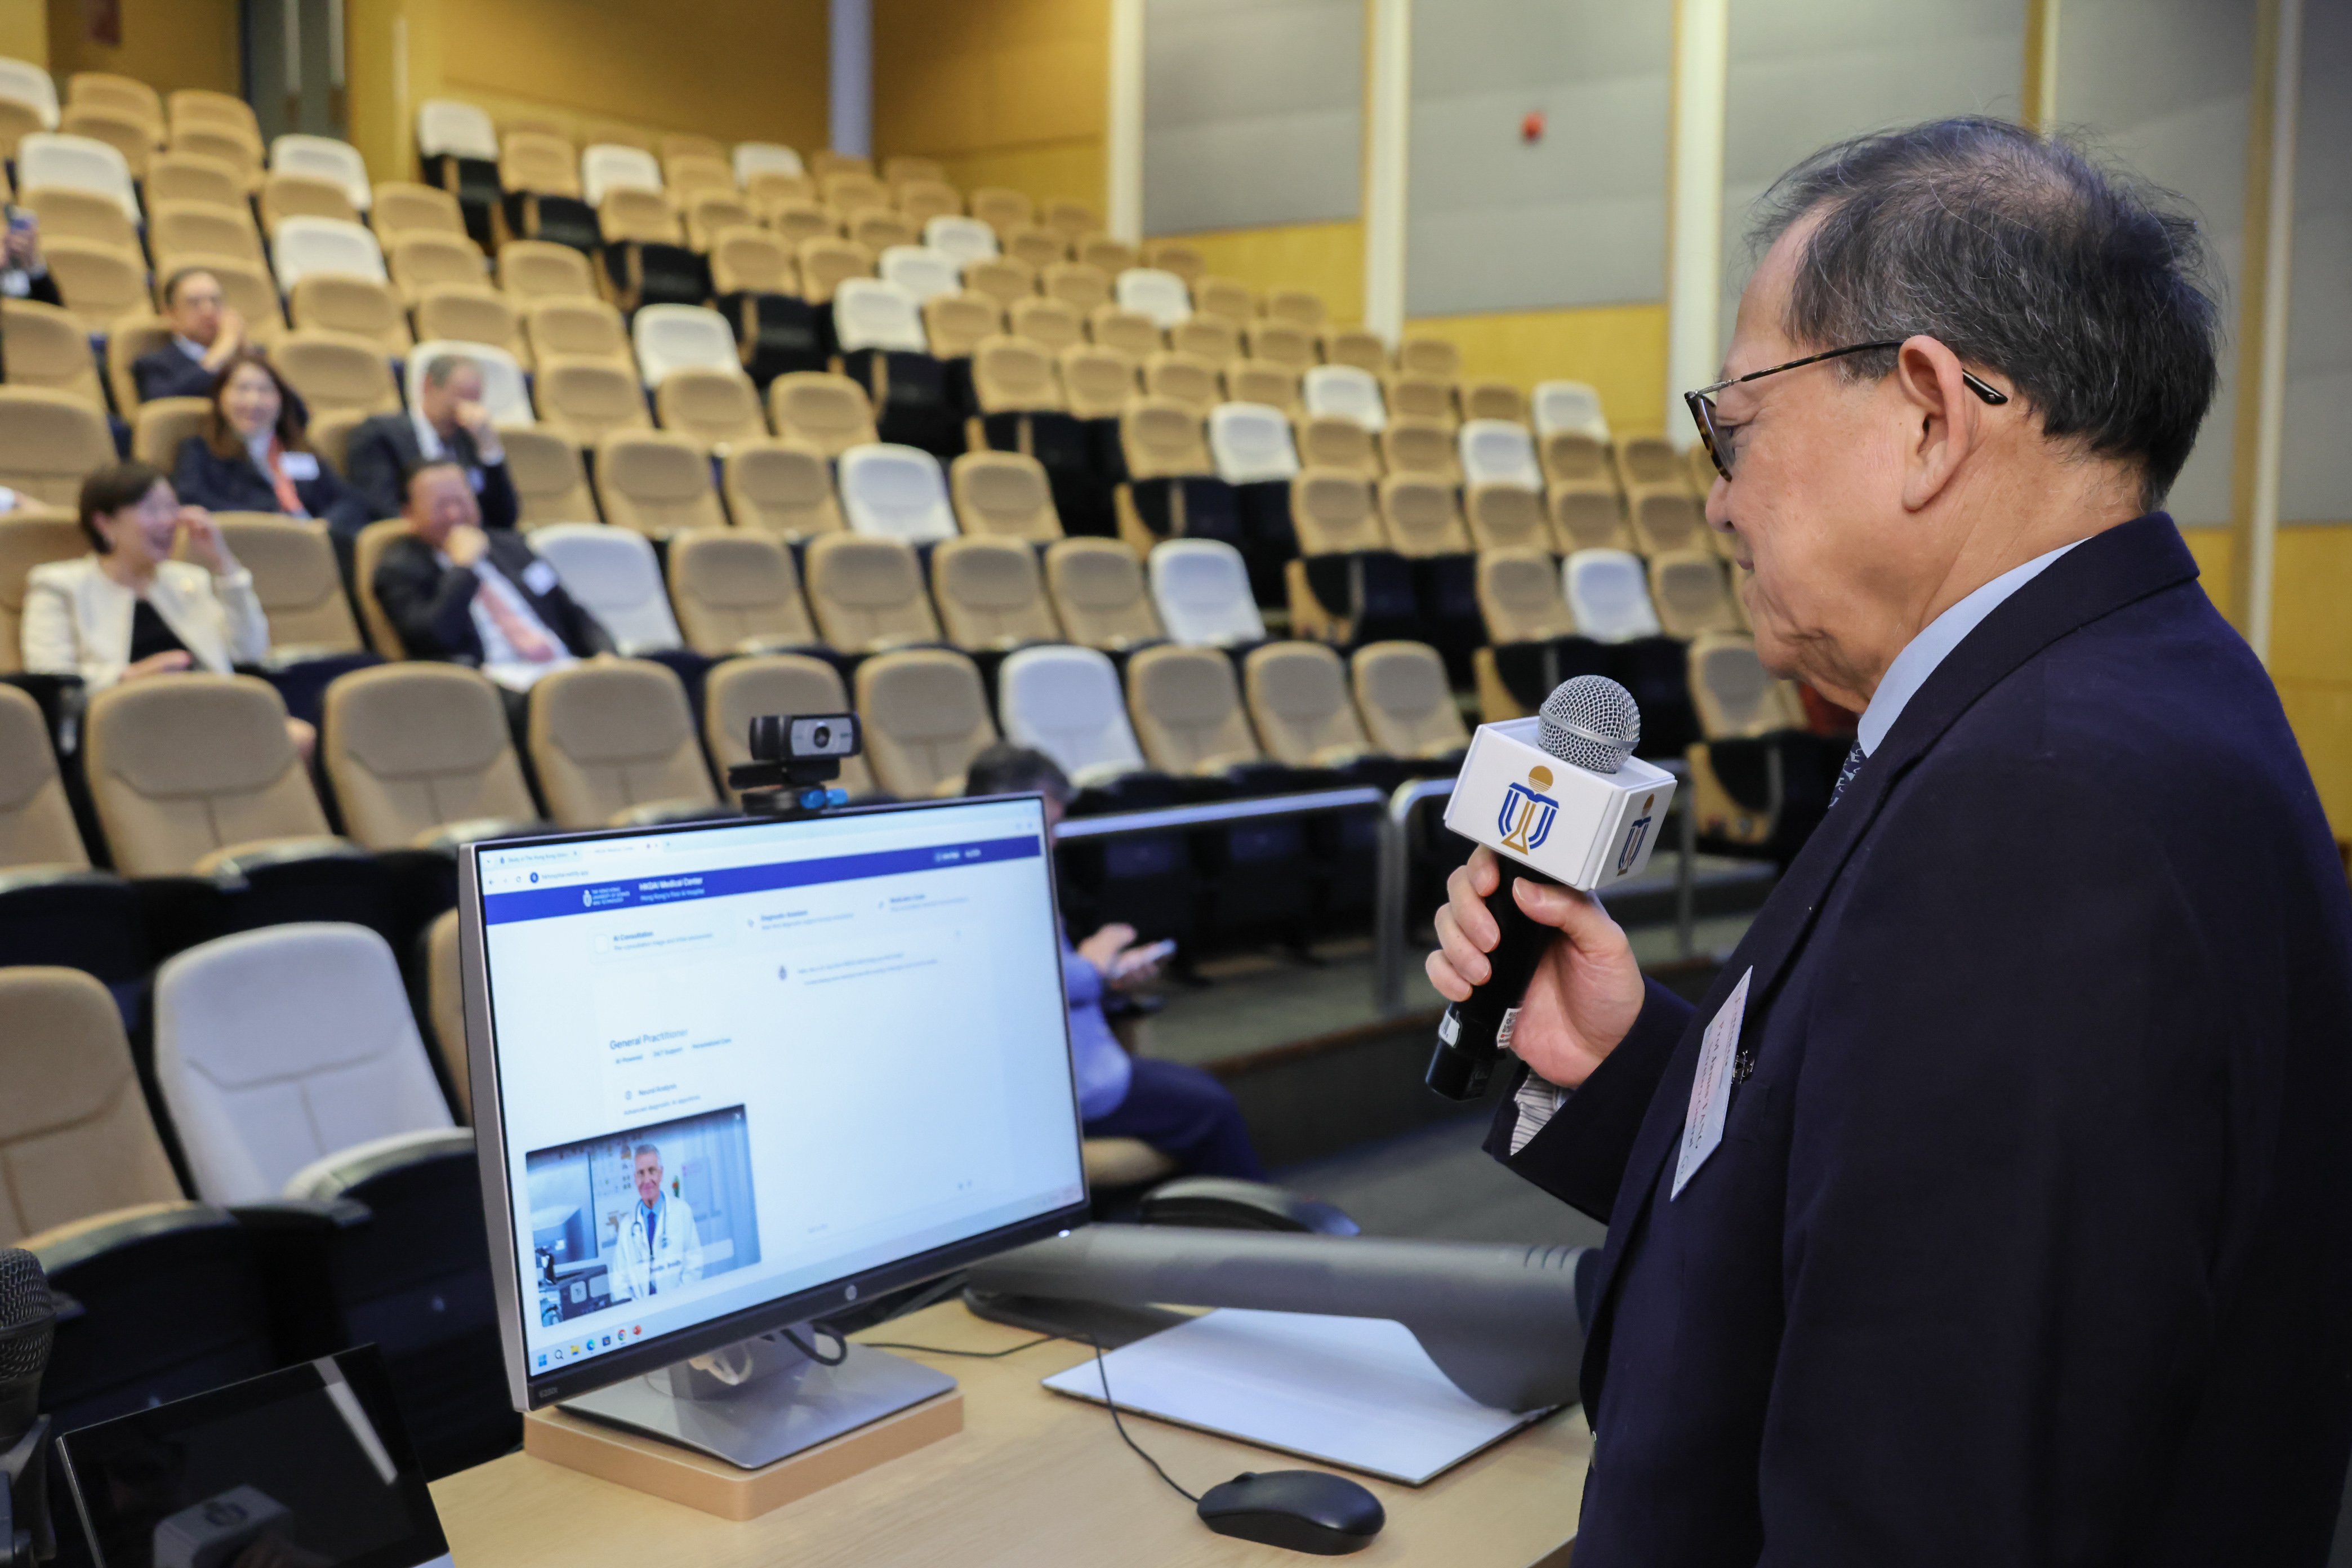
{"x":2321,"y":712}
{"x":1620,"y":349}
{"x":2311,"y":633}
{"x":24,"y":30}
{"x":1002,"y":93}
{"x":1053,"y":171}
{"x":167,"y":44}
{"x":1327,"y":257}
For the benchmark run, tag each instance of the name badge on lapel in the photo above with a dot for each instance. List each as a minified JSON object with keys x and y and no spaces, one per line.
{"x":539,"y":577}
{"x":1711,"y":1086}
{"x":299,"y":465}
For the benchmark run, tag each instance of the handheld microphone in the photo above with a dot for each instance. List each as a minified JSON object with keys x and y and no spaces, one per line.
{"x":1560,"y":798}
{"x":28,"y":1323}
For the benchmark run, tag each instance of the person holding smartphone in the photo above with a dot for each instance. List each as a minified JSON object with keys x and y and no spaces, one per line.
{"x":1179,"y":1111}
{"x":24,"y":271}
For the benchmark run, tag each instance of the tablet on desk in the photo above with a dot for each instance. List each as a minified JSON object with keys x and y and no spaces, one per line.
{"x":304,"y":1468}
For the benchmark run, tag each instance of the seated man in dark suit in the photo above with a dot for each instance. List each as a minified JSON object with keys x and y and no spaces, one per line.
{"x":455,"y":590}
{"x":207,"y":334}
{"x":447,"y":425}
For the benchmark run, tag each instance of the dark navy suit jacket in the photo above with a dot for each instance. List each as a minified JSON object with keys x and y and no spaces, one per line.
{"x":2029,"y":1239}
{"x":168,"y":371}
{"x":383,"y":450}
{"x":204,"y":478}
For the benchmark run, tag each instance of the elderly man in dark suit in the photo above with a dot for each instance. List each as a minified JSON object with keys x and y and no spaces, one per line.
{"x":448,"y":424}
{"x":1995,"y":1206}
{"x":207,"y":334}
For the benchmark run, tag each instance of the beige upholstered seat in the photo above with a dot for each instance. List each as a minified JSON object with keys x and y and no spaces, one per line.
{"x":1298,"y":697}
{"x":826,"y":262}
{"x":1423,"y":515}
{"x":335,"y":373}
{"x":1300,"y":307}
{"x":1493,"y":400}
{"x":37,"y":823}
{"x":1519,"y":596}
{"x":539,"y":269}
{"x":1285,"y":342}
{"x":1226,"y":296}
{"x":1040,"y":248}
{"x":1587,"y":517}
{"x":1096,"y":382}
{"x":444,"y":1006}
{"x":655,"y":481}
{"x":368,"y":550}
{"x":296,"y":579}
{"x":1003,"y":495}
{"x":1333,"y":513}
{"x":1357,"y":347}
{"x":178,"y":176}
{"x":1099,"y":595}
{"x":1111,"y":255}
{"x":1575,"y":458}
{"x":1183,"y":378}
{"x":76,"y":1139}
{"x":49,"y":441}
{"x":1430,"y":356}
{"x":584,"y":400}
{"x":1334,"y":441}
{"x":564,"y":327}
{"x":1208,"y":336}
{"x":1001,"y":209}
{"x":1014,"y":376}
{"x":868,"y":594}
{"x":830,"y":413}
{"x":736,"y":591}
{"x":1405,"y":703}
{"x":1130,"y":333}
{"x":1007,"y":279}
{"x":612,"y":737}
{"x":990,"y":594}
{"x":288,"y":194}
{"x":747,"y":259}
{"x":783,"y":487}
{"x":182,"y":768}
{"x":1415,"y":445}
{"x":176,"y":230}
{"x":925,"y":715}
{"x":163,"y":424}
{"x":550,"y":481}
{"x":1649,"y":461}
{"x":427,"y":258}
{"x":470,"y":313}
{"x":100,"y":284}
{"x":1177,"y":256}
{"x":1187,"y":708}
{"x":1504,"y":516}
{"x":27,"y":542}
{"x":404,"y":208}
{"x":1735,"y":697}
{"x":1667,"y":520}
{"x":1411,"y":396}
{"x":713,"y":406}
{"x":1692,"y":597}
{"x":1053,"y":324}
{"x":416,"y":749}
{"x":957,"y":324}
{"x":359,"y":308}
{"x":1163,"y":438}
{"x":45,"y":347}
{"x":1262,"y":381}
{"x":1077,"y":284}
{"x":741,"y":690}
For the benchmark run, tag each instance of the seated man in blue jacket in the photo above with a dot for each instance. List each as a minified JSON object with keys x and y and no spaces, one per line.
{"x":207,"y":334}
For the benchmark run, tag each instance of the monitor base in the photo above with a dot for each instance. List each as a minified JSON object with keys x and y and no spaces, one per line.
{"x":759,"y":1401}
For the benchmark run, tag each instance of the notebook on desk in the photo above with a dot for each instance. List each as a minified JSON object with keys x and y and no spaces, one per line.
{"x":1355,"y":1391}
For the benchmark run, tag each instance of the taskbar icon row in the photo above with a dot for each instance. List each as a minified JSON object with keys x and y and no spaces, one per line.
{"x":581,"y":1349}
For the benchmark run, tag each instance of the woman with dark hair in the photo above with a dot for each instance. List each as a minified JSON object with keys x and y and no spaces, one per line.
{"x":127,"y":611}
{"x":255,"y":457}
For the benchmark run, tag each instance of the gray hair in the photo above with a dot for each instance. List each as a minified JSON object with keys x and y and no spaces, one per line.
{"x":2091,"y":290}
{"x":437,"y":371}
{"x":642,"y":1151}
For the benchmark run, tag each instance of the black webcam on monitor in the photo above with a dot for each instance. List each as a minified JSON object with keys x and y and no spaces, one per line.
{"x":795,"y":757}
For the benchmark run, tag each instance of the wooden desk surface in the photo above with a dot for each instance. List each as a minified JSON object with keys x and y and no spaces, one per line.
{"x":1034,"y":1478}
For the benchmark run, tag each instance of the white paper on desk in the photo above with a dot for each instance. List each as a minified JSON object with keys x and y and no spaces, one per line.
{"x":1358,"y":1392}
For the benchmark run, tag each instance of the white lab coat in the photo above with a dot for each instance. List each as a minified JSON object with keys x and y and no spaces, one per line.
{"x":674,"y":1259}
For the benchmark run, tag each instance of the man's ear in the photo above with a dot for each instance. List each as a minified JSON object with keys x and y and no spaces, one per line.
{"x":1944,"y":419}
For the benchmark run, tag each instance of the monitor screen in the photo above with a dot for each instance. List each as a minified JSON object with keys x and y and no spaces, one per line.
{"x":735,"y":1069}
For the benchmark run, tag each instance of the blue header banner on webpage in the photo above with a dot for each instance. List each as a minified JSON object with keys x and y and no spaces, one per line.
{"x":546,"y":903}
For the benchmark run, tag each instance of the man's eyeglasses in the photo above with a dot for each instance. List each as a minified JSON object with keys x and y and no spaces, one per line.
{"x":1702,"y":402}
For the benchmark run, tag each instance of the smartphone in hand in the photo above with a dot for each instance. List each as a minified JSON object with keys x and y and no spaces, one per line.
{"x":1140,"y":958}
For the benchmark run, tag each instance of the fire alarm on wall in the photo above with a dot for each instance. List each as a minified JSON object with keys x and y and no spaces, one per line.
{"x":1531,"y":128}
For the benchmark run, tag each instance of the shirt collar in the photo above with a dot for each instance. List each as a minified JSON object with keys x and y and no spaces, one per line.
{"x":258,"y":449}
{"x":190,"y":347}
{"x":1922,"y":654}
{"x":429,"y":446}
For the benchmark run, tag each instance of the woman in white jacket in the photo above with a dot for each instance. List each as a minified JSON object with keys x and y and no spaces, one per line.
{"x":127,"y":611}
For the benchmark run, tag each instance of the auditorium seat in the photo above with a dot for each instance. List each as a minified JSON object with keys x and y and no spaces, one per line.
{"x":1430,"y":356}
{"x":1608,"y":596}
{"x":1336,"y":441}
{"x":1348,"y":579}
{"x":420,"y":755}
{"x":868,"y":594}
{"x":122,"y":133}
{"x":401,"y":208}
{"x":826,"y":263}
{"x":1533,"y":642}
{"x":83,"y":162}
{"x":1002,"y":209}
{"x":458,"y":150}
{"x":27,"y":542}
{"x":70,"y":212}
{"x":469,"y":314}
{"x":612,"y":742}
{"x":1183,"y":378}
{"x":966,"y":239}
{"x":1130,"y":333}
{"x":1187,"y":711}
{"x":1343,"y":391}
{"x":1099,"y":595}
{"x":1285,"y":342}
{"x":336,"y":375}
{"x":917,"y":270}
{"x":193,"y":177}
{"x":1053,"y":324}
{"x":1068,"y":704}
{"x":1212,"y":339}
{"x":1423,"y":515}
{"x":1645,"y":463}
{"x":925,"y":715}
{"x":613,"y":573}
{"x":98,"y":283}
{"x":177,"y":230}
{"x":361,"y":307}
{"x":1504,"y":516}
{"x":956,"y":324}
{"x":1692,"y":598}
{"x":1576,"y":457}
{"x":878,"y":229}
{"x":737,"y":592}
{"x":45,"y":347}
{"x":539,"y":269}
{"x":1406,"y":705}
{"x":1665,"y":520}
{"x":1262,"y":381}
{"x":851,"y":191}
{"x":1076,"y":283}
{"x":193,"y":106}
{"x":990,"y":596}
{"x":1096,"y":382}
{"x":1228,"y":297}
{"x":896,"y":492}
{"x":1496,"y":451}
{"x":562,"y":327}
{"x":1568,"y":406}
{"x":1416,"y":446}
{"x":1003,"y":495}
{"x":1299,"y":698}
{"x":1493,"y":400}
{"x":1735,"y":697}
{"x":584,"y":400}
{"x":49,"y":441}
{"x":1150,"y":292}
{"x":296,"y":579}
{"x":742,"y":690}
{"x":1250,"y":444}
{"x":421,"y":261}
{"x":36,"y":821}
{"x":1178,"y":257}
{"x":655,"y":482}
{"x":688,"y":356}
{"x":1357,"y":347}
{"x":926,"y":200}
{"x":709,"y":213}
{"x":1007,"y":279}
{"x":1201,"y":590}
{"x":796,"y":220}
{"x":238,"y":148}
{"x":1040,"y":248}
{"x":831,"y":413}
{"x":781,"y":486}
{"x":290,"y":194}
{"x":1415,"y":396}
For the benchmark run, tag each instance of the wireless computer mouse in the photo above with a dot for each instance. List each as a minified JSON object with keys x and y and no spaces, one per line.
{"x":1300,"y":1510}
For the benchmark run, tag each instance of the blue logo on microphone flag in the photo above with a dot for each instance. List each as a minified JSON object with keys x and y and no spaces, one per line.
{"x":1525,"y":820}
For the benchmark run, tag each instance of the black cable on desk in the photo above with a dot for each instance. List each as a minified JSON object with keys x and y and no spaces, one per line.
{"x":973,"y":1355}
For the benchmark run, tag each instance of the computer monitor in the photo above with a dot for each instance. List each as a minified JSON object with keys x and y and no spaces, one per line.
{"x":731,"y":1077}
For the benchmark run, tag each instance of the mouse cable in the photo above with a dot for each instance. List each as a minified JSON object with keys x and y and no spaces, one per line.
{"x":969,"y":1355}
{"x":840,"y":1344}
{"x":1103,"y":1375}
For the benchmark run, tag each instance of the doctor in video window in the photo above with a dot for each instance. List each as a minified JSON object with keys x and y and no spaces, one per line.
{"x":660,"y":1249}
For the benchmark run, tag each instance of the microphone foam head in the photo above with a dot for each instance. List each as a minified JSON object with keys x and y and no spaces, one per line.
{"x":1591,"y":722}
{"x":25,"y":1310}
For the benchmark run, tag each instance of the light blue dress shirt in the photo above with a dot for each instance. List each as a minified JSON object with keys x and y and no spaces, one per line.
{"x":1922,"y":654}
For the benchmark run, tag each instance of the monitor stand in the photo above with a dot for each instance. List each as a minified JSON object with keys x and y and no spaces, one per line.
{"x":761,"y":1400}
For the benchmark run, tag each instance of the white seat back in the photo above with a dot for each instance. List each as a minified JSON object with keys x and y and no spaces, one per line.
{"x":445,"y":126}
{"x":1250,"y":444}
{"x":1609,"y":594}
{"x":871,"y":313}
{"x":896,"y":492}
{"x":608,"y":166}
{"x":1152,"y":292}
{"x":278,"y":1046}
{"x":1065,"y":702}
{"x":503,"y":393}
{"x":613,"y":574}
{"x":677,"y":337}
{"x":1345,"y":392}
{"x":1202,"y":590}
{"x":304,"y":247}
{"x":965,"y":238}
{"x":1499,"y":452}
{"x":327,"y":158}
{"x":759,"y":157}
{"x":1568,"y":406}
{"x":921,"y":271}
{"x":78,"y":163}
{"x":28,"y":83}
